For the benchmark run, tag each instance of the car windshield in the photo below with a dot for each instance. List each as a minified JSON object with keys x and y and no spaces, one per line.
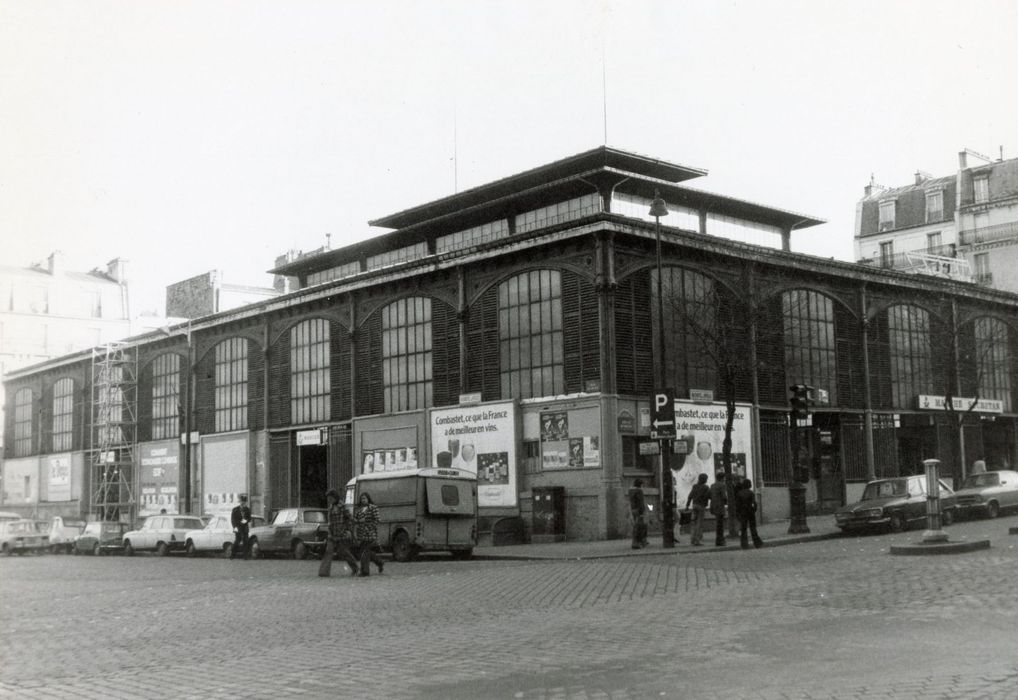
{"x":285,"y":516}
{"x":885,"y":489}
{"x":978,"y":481}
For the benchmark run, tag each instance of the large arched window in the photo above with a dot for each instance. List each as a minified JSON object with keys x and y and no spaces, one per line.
{"x":810,"y":349}
{"x":166,"y":396}
{"x":406,"y":354}
{"x":993,"y":360}
{"x":23,"y":423}
{"x":309,"y":371}
{"x":911,"y":354}
{"x":63,"y":415}
{"x":530,"y":335}
{"x":231,"y":385}
{"x":692,"y":340}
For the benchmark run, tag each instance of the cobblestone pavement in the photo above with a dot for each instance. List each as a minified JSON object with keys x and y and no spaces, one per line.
{"x":828,"y":619}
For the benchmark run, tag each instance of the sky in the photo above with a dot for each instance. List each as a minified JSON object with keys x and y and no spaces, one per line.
{"x":192,"y":136}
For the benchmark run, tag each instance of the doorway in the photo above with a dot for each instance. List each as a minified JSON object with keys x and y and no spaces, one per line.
{"x":314,"y":475}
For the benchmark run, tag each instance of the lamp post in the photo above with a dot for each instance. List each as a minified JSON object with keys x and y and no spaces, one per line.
{"x":657,"y":210}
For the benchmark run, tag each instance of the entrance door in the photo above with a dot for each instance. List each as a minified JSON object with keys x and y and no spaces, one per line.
{"x":314,"y":475}
{"x":829,"y":473}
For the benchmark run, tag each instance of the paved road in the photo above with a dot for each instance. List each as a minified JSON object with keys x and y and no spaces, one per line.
{"x":831,"y":619}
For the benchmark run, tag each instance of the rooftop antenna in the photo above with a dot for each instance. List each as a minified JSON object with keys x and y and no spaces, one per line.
{"x":328,"y":241}
{"x":455,"y":141}
{"x":604,"y":91}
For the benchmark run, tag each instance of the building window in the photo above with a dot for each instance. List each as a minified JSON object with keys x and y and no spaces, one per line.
{"x":933,"y":243}
{"x":934,"y":206}
{"x":400,"y":255}
{"x":887,"y":210}
{"x":691,"y":328}
{"x":309,"y":371}
{"x":530,"y":335}
{"x":406,"y":354}
{"x":63,"y":415}
{"x":981,"y":189}
{"x":810,"y":350}
{"x":23,"y":423}
{"x":887,"y":254}
{"x":166,"y":396}
{"x":561,"y":212}
{"x":981,"y":268}
{"x":472,"y":236}
{"x":911,"y":354}
{"x":334,"y":273}
{"x":993,"y":360}
{"x":231,"y":385}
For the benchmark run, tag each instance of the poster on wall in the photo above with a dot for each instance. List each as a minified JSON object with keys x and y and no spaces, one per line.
{"x":158,"y":480}
{"x":702,"y":428}
{"x":562,"y":450}
{"x":21,"y":480}
{"x":224,"y":470}
{"x":394,"y":459}
{"x":480,"y":439}
{"x":58,"y":475}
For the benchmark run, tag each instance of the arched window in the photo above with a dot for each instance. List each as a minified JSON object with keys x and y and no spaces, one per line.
{"x":406,"y":354}
{"x":309,"y":371}
{"x":23,"y":423}
{"x":690,"y":306}
{"x":911,"y":353}
{"x":231,"y":385}
{"x":530,"y":335}
{"x":63,"y":415}
{"x":166,"y":396}
{"x":810,"y":350}
{"x":993,"y":360}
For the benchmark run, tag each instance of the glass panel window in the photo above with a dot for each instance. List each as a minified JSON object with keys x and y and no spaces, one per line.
{"x":530,"y":335}
{"x":230,"y":384}
{"x":23,"y":423}
{"x":933,"y":243}
{"x":911,"y":354}
{"x":993,"y":360}
{"x":166,"y":396}
{"x":934,"y":206}
{"x":981,"y":189}
{"x":810,"y":354}
{"x":691,"y":330}
{"x":887,"y":254}
{"x":63,"y":415}
{"x":309,"y":371}
{"x":887,"y":211}
{"x":406,"y":354}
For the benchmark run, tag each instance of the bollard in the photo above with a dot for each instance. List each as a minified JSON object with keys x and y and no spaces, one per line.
{"x":934,"y":532}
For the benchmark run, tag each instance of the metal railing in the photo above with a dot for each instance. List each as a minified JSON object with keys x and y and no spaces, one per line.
{"x":925,"y":262}
{"x":989,"y":234}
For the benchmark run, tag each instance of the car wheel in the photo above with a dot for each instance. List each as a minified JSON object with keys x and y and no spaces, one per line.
{"x":947,"y":517}
{"x":898,"y":523}
{"x":256,"y":550}
{"x":300,"y":550}
{"x":992,"y":509}
{"x":227,"y":549}
{"x":128,"y":549}
{"x":97,"y":550}
{"x":401,"y":548}
{"x":162,"y":550}
{"x":190,"y":550}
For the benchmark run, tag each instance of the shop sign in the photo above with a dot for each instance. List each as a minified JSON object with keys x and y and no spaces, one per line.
{"x":318,"y":436}
{"x":960,"y":403}
{"x":626,"y":422}
{"x":652,"y":447}
{"x":701,"y":395}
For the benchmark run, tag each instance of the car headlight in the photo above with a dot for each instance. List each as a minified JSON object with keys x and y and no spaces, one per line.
{"x":874,"y":513}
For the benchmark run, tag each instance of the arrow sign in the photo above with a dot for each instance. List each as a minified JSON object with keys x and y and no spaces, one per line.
{"x":659,"y":423}
{"x":662,"y":414}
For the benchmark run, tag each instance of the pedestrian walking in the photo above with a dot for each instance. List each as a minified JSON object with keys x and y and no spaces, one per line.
{"x":366,"y":527}
{"x":718,"y":504}
{"x":699,"y":497}
{"x":638,"y":514}
{"x":745,"y":511}
{"x":240,"y":519}
{"x":340,"y":536}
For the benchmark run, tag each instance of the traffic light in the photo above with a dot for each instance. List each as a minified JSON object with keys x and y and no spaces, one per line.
{"x":799,"y":399}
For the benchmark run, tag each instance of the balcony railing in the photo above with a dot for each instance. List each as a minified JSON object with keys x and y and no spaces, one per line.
{"x":925,"y":263}
{"x":990,"y":234}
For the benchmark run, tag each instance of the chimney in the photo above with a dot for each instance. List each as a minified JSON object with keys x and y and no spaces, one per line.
{"x":56,"y":262}
{"x":117,"y":270}
{"x":962,"y":160}
{"x":919,"y":177}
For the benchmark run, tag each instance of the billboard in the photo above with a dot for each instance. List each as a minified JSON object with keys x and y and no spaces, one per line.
{"x":159,"y":477}
{"x":702,"y":428}
{"x":58,"y":477}
{"x":480,"y":439}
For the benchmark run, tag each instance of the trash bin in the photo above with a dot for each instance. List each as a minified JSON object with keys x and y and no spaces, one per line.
{"x":549,"y":515}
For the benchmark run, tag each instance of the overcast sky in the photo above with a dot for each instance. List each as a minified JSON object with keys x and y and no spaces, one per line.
{"x":190,"y":136}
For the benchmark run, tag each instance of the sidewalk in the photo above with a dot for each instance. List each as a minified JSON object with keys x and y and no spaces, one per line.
{"x":774,"y":534}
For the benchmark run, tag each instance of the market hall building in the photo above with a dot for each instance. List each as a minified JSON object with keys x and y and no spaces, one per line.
{"x":513,"y":330}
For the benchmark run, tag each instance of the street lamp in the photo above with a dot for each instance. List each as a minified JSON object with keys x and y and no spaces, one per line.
{"x":657,"y":210}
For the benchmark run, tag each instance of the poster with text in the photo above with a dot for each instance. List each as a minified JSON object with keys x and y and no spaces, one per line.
{"x":157,"y":483}
{"x":58,"y":472}
{"x":481,"y":440}
{"x":702,"y":428}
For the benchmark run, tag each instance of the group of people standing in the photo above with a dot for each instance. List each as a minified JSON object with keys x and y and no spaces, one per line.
{"x":353,"y":532}
{"x":704,"y":499}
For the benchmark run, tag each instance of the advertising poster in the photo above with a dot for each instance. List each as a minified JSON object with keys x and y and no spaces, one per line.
{"x":21,"y":480}
{"x":396,"y":459}
{"x":159,"y":476}
{"x":556,"y":450}
{"x":58,"y":474}
{"x":702,"y":428}
{"x":481,"y":440}
{"x":224,"y":471}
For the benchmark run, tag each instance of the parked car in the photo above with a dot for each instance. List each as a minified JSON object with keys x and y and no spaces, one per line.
{"x":100,"y":537}
{"x":216,"y":536}
{"x":294,"y":531}
{"x":896,"y":504}
{"x":161,"y":533}
{"x":20,"y":536}
{"x":989,"y":493}
{"x":8,"y":515}
{"x":62,"y":532}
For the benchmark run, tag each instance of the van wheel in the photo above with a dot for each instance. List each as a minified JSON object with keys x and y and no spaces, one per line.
{"x":462,"y":554}
{"x":402,"y":550}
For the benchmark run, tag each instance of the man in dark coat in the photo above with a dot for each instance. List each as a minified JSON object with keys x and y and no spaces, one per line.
{"x":240,"y":519}
{"x":718,"y":503}
{"x":745,"y":511}
{"x":638,"y":513}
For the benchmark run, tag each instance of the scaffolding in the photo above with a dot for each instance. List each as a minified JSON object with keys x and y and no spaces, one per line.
{"x":113,"y":440}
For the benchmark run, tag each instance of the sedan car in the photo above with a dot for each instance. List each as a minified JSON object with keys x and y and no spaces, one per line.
{"x":989,"y":493}
{"x":294,"y":531}
{"x":895,"y":503}
{"x":100,"y":537}
{"x":161,"y":533}
{"x":216,"y":536}
{"x":62,"y":533}
{"x":20,"y":536}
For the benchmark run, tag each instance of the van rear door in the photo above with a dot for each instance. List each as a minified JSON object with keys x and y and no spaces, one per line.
{"x":450,"y":496}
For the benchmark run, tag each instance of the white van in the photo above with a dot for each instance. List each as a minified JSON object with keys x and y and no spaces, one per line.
{"x":421,"y":510}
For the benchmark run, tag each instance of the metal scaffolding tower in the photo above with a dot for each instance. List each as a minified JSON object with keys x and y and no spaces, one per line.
{"x":114,"y":432}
